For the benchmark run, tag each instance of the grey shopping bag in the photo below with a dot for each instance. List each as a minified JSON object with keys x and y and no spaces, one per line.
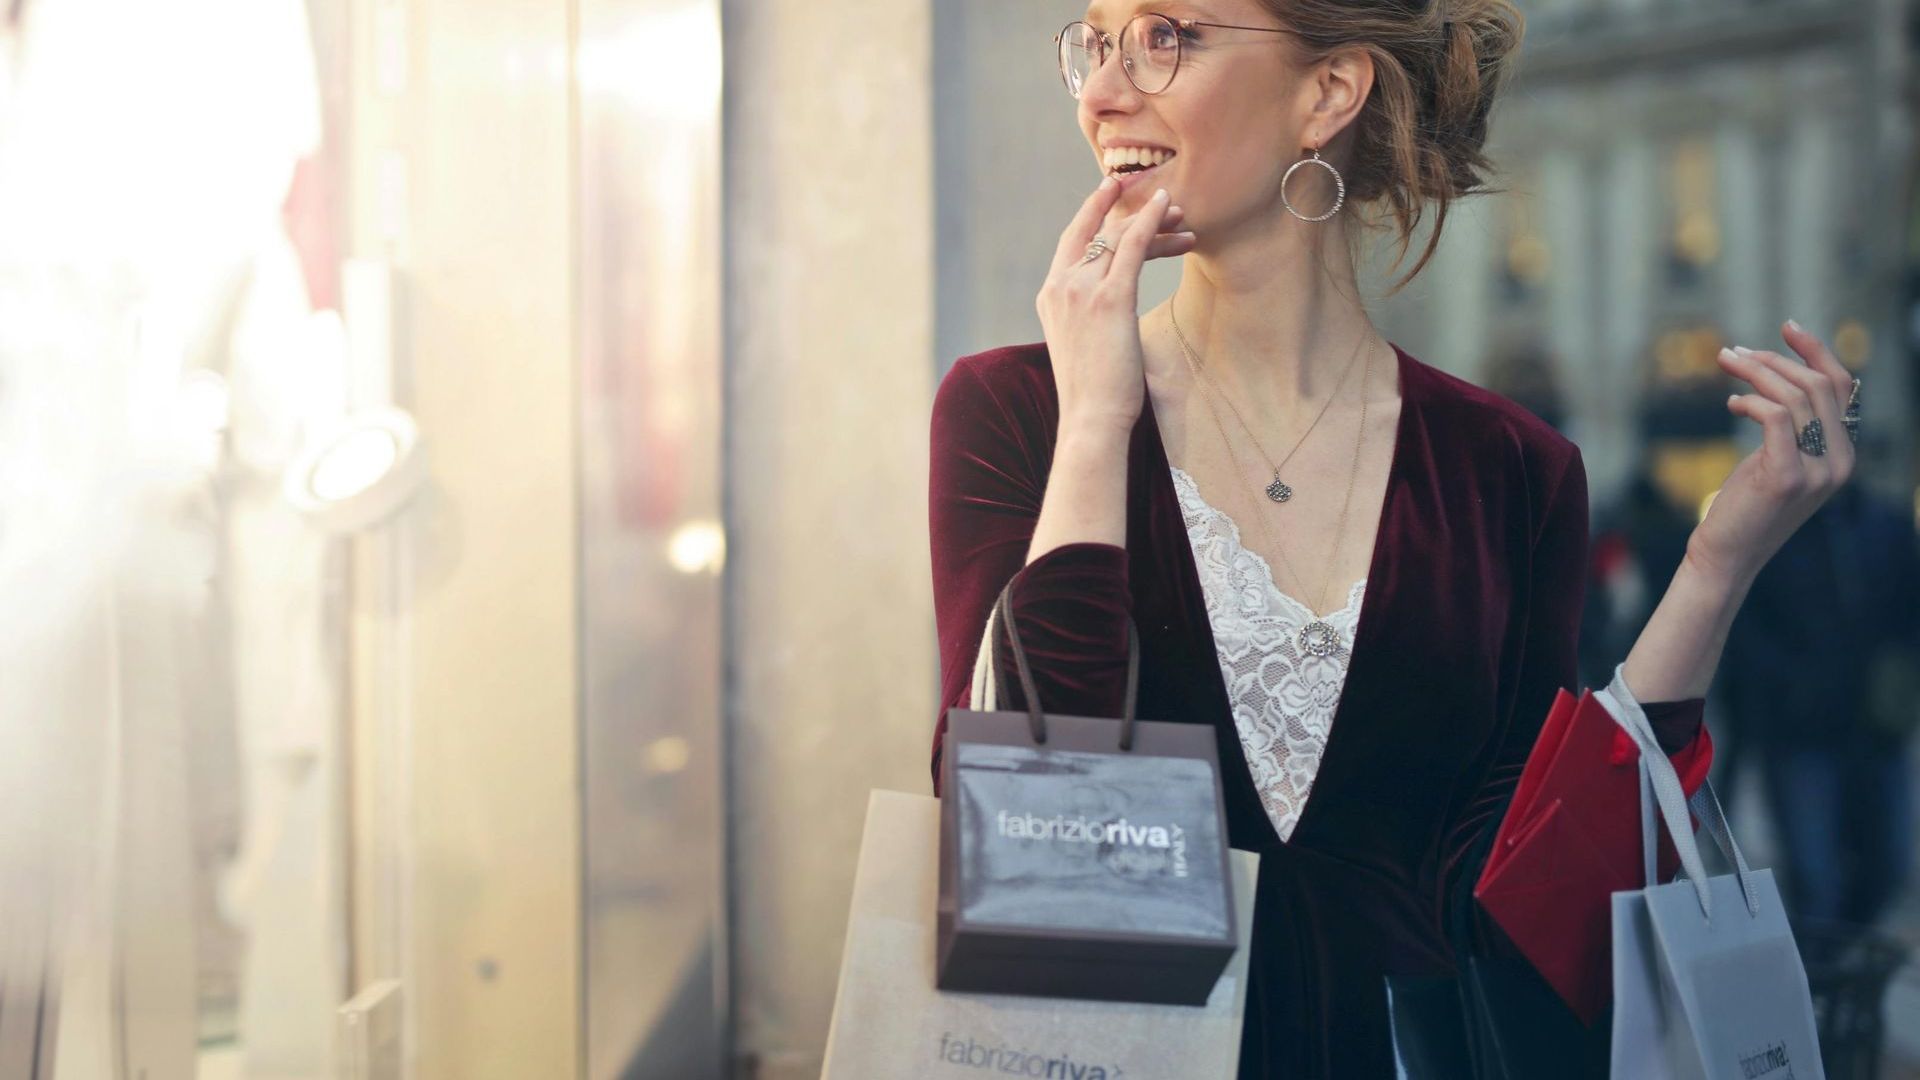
{"x":889,"y":1020}
{"x":1707,"y":980}
{"x":1080,"y":856}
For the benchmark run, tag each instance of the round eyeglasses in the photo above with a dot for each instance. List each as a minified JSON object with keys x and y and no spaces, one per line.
{"x":1150,"y":47}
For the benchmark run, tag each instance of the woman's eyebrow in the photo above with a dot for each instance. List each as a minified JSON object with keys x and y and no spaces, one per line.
{"x":1180,"y":8}
{"x":1139,"y":6}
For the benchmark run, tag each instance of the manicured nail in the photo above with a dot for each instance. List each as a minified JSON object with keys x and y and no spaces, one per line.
{"x":1160,"y":193}
{"x":1728,"y":354}
{"x":1795,"y":327}
{"x":1106,"y":183}
{"x":1742,"y":351}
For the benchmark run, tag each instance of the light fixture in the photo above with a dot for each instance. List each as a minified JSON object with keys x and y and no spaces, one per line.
{"x":360,"y":472}
{"x":698,"y":547}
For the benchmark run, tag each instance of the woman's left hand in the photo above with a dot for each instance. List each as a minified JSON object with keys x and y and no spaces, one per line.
{"x":1777,"y":487}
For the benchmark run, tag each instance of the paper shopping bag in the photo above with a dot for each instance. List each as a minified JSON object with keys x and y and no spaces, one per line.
{"x":889,"y":1020}
{"x":1708,"y":981}
{"x":1568,"y":841}
{"x":1080,"y":856}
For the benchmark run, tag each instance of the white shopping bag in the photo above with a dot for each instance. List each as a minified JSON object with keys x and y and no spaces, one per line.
{"x":1707,"y":980}
{"x":889,"y":1021}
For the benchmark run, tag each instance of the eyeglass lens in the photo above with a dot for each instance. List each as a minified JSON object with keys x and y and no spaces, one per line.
{"x":1149,"y":53}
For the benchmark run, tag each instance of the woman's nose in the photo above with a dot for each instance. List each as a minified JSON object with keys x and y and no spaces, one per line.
{"x":1107,"y":86}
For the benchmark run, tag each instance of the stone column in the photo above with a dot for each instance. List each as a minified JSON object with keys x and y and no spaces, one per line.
{"x":830,"y":362}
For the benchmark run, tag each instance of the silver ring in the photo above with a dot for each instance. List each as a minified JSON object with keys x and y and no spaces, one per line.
{"x":1095,"y":250}
{"x":1851,"y":421}
{"x":1813,"y":438}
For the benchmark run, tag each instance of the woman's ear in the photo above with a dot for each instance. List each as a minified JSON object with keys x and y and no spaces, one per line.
{"x":1340,"y":86}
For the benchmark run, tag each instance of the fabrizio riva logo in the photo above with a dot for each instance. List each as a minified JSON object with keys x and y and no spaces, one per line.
{"x":1769,"y":1062}
{"x":1015,"y":1061}
{"x":1082,"y":830}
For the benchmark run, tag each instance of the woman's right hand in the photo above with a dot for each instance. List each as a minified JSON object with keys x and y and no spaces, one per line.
{"x":1090,"y":311}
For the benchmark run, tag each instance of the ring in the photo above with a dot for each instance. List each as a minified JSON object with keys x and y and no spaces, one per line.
{"x":1852,"y":418}
{"x":1813,"y":438}
{"x":1096,"y":249}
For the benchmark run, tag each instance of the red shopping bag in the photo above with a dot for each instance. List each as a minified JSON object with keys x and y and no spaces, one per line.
{"x":1569,"y":841}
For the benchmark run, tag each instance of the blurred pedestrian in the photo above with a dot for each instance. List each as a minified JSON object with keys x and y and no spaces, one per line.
{"x":1639,"y":542}
{"x":1813,"y":672}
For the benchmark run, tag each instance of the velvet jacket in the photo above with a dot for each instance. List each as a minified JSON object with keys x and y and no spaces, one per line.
{"x":1467,"y":628}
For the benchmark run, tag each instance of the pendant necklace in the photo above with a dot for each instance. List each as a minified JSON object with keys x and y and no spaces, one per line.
{"x":1318,"y":637}
{"x":1279,"y":491}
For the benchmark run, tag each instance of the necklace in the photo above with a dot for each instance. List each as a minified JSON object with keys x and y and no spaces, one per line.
{"x":1278,"y":491}
{"x":1318,"y":636}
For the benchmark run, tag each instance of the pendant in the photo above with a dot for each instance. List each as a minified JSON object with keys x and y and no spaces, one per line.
{"x":1278,"y":491}
{"x":1318,"y":638}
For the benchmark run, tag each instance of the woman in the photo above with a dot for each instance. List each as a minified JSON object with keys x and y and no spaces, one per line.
{"x":1366,"y":575}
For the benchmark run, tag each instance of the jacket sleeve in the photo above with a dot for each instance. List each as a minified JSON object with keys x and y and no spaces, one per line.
{"x":1549,"y":662}
{"x":988,"y":468}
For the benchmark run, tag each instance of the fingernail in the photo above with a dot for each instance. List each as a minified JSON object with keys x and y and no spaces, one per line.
{"x":1106,"y":183}
{"x":1795,"y":327}
{"x":1742,"y":351}
{"x":1160,"y":193}
{"x":1727,"y":354}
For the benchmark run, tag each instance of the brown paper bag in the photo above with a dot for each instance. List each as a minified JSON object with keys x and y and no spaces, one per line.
{"x":889,"y":1023}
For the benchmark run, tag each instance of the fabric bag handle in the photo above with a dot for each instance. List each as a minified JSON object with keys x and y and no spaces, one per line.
{"x":985,"y":694}
{"x":1660,"y":788}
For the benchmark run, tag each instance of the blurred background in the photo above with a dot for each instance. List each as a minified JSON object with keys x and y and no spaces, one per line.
{"x":463,"y":487}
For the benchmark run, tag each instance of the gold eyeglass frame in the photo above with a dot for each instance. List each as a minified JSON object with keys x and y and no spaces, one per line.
{"x":1108,"y":46}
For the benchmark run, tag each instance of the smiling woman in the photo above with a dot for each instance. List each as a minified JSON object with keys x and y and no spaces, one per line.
{"x":1371,"y":719}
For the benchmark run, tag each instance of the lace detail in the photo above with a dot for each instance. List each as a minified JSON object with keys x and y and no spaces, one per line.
{"x":1283,"y":697}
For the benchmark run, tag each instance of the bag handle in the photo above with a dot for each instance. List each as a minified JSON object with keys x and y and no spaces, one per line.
{"x":985,"y":693}
{"x":1706,"y":806}
{"x":1660,"y":787}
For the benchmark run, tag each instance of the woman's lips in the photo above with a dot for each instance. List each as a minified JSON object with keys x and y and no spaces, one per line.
{"x":1131,"y":180}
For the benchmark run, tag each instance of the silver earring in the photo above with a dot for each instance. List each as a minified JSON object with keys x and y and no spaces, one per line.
{"x":1339,"y":185}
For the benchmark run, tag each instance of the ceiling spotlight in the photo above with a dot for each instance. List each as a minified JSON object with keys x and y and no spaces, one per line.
{"x":361,"y":472}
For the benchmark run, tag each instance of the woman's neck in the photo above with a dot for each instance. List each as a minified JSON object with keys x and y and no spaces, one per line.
{"x":1276,"y":331}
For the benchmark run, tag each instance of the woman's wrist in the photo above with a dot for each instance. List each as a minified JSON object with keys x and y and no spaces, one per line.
{"x":1675,"y":656}
{"x":1086,"y":495}
{"x":1098,"y":430}
{"x":1715,"y":573}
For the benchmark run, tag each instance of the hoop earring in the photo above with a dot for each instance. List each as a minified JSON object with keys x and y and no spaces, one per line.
{"x":1339,"y":184}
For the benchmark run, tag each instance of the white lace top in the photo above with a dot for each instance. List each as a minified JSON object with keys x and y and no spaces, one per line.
{"x":1283,"y":696}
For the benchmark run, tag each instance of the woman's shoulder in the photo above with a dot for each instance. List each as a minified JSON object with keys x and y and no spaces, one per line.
{"x":1008,"y":384}
{"x":1489,"y":421}
{"x":1013,"y":385}
{"x":1005,"y":369}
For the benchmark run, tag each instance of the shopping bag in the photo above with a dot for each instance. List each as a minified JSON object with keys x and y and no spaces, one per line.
{"x":1707,"y":979}
{"x":889,"y":1021}
{"x":1080,"y":856}
{"x":1496,"y":1019}
{"x":1567,"y":842}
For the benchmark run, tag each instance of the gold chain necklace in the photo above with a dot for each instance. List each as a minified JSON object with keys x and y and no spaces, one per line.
{"x":1279,"y":491}
{"x":1318,"y":636}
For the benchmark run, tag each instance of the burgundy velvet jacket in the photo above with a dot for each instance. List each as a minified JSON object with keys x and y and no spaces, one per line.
{"x":1467,"y":629}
